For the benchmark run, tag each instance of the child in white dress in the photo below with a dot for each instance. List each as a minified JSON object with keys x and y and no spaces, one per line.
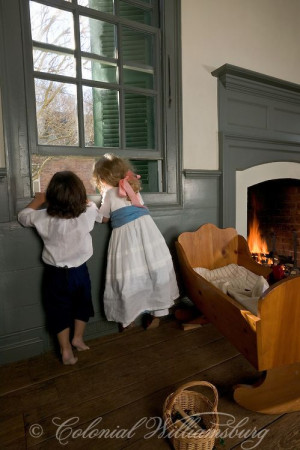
{"x":140,"y":275}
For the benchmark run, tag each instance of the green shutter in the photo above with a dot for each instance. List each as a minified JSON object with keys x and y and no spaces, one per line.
{"x":148,"y":170}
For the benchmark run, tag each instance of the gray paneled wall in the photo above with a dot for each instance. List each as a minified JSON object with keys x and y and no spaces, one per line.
{"x":4,"y":215}
{"x":259,"y":122}
{"x":22,"y":320}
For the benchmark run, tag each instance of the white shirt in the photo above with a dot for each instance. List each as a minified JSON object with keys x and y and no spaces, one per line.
{"x":67,"y":242}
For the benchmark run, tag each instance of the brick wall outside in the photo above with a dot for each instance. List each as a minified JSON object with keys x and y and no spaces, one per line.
{"x":48,"y":166}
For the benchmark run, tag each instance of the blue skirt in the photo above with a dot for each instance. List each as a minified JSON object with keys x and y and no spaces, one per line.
{"x":67,"y":296}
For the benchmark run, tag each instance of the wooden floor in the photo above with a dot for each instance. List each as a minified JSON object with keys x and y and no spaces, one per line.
{"x":117,"y":390}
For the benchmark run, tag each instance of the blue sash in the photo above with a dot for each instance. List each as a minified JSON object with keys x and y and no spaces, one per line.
{"x":126,"y":215}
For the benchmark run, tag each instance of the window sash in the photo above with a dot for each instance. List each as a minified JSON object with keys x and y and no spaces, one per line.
{"x":122,"y":87}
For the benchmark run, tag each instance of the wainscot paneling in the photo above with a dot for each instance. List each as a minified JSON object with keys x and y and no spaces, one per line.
{"x":4,"y":212}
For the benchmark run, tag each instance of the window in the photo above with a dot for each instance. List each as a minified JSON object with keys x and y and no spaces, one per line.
{"x":97,"y":87}
{"x":99,"y":76}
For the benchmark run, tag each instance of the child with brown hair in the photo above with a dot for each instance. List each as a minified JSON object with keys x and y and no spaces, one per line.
{"x":64,"y":226}
{"x":140,"y":274}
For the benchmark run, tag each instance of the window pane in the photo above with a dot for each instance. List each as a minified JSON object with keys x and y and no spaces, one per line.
{"x":101,"y":117}
{"x":53,"y":62}
{"x":138,"y":77}
{"x":51,"y":25}
{"x":97,"y":37}
{"x":137,"y":47}
{"x":150,"y":172}
{"x":100,"y":5}
{"x":134,"y":13}
{"x":44,"y":167}
{"x":139,"y":121}
{"x":93,"y":69}
{"x":56,"y":110}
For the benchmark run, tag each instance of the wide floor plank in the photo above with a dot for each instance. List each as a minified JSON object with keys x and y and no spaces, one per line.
{"x":113,"y":398}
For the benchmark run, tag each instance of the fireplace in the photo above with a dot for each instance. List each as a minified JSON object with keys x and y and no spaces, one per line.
{"x":260,"y":175}
{"x":259,"y":137}
{"x":273,"y":221}
{"x":270,"y":193}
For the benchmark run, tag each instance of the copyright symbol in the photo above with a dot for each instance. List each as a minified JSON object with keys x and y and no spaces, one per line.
{"x":36,"y":430}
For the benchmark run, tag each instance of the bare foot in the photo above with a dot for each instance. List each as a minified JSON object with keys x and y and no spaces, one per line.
{"x":80,"y":345}
{"x":129,"y":327}
{"x":70,"y":362}
{"x":68,"y":358}
{"x":154,"y":323}
{"x":149,"y":322}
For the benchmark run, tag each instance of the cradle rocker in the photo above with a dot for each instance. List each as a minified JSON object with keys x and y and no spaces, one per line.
{"x":269,"y":340}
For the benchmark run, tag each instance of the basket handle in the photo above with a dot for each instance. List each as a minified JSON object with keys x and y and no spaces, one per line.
{"x":191,"y":384}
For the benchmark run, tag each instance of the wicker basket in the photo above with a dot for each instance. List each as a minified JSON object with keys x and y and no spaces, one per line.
{"x":192,"y":437}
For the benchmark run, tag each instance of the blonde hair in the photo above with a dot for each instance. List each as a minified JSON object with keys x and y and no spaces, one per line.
{"x":110,"y":169}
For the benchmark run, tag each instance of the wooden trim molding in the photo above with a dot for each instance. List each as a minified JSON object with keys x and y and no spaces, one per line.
{"x":194,"y":173}
{"x":3,"y":173}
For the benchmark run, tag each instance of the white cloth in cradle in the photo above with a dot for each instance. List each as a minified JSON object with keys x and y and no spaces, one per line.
{"x":240,"y":283}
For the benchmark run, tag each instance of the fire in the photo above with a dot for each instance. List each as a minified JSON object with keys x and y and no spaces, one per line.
{"x":257,"y":245}
{"x":255,"y":241}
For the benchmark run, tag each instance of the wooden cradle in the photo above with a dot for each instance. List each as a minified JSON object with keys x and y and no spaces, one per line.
{"x":271,"y":340}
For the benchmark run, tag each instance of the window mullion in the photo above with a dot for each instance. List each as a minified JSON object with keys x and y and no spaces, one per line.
{"x":79,"y":81}
{"x":51,"y":47}
{"x":157,"y":86}
{"x":121,"y":83}
{"x":29,"y":81}
{"x":98,"y":57}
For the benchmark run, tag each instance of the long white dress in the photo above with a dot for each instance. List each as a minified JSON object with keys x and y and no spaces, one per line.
{"x":140,"y":274}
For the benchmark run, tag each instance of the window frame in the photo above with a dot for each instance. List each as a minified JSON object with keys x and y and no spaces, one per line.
{"x":79,"y":81}
{"x":20,"y":135}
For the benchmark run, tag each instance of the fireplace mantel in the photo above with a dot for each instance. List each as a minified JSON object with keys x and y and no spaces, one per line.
{"x":237,"y":78}
{"x":259,"y":123}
